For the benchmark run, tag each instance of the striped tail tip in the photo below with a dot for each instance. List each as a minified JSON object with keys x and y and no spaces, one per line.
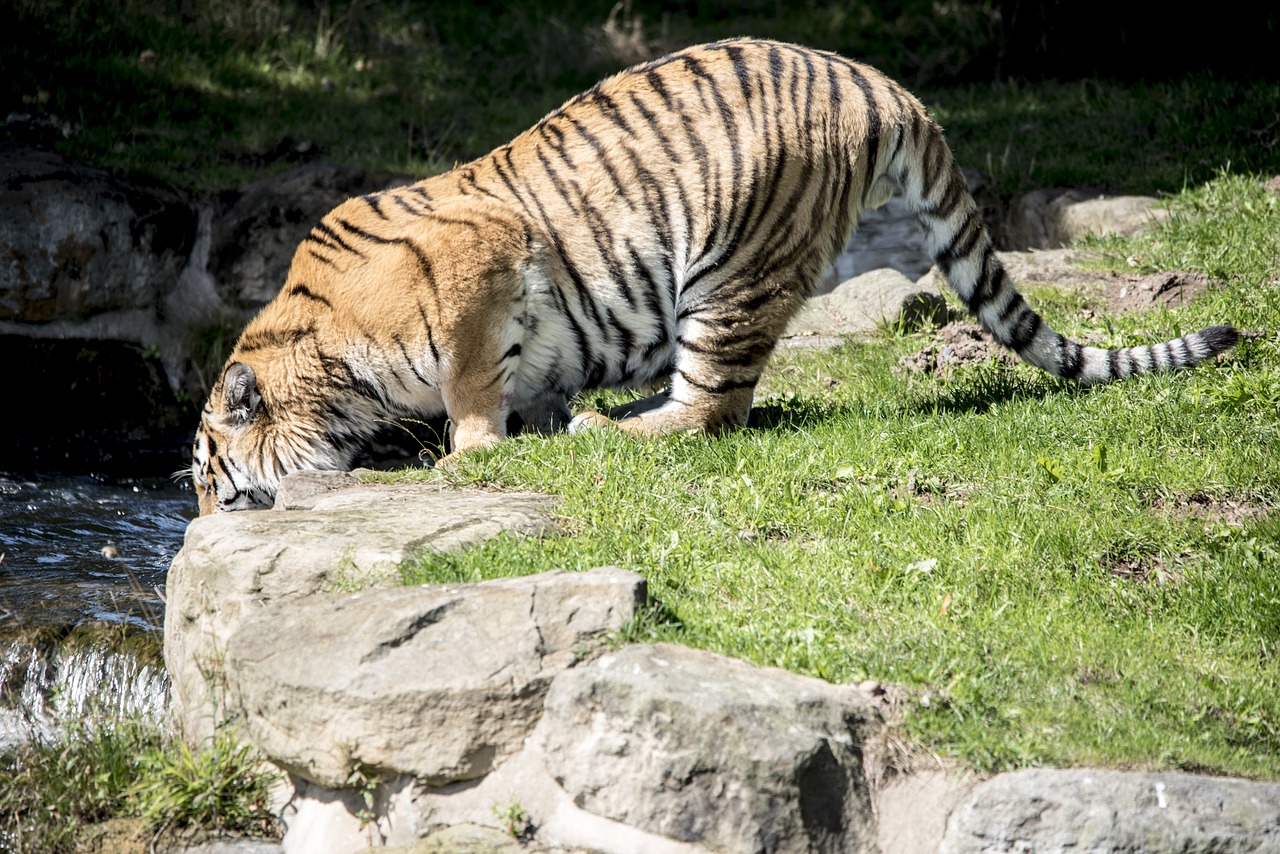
{"x":1095,"y":366}
{"x":1219,"y":339}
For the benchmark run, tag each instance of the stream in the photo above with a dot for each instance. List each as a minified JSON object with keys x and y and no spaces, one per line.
{"x":82,"y":570}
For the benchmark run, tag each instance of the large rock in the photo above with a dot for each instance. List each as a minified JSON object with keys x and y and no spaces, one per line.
{"x":441,"y":682}
{"x":1056,"y":218}
{"x":81,"y":242}
{"x":705,"y":749}
{"x":1096,"y":810}
{"x":646,"y":750}
{"x":233,"y":564}
{"x":878,"y":299}
{"x":98,"y":289}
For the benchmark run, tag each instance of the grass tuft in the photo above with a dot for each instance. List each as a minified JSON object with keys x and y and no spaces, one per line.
{"x":62,"y":791}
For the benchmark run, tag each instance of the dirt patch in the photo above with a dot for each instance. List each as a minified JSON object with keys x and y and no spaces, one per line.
{"x":1234,"y":511}
{"x":890,"y":753}
{"x":954,"y":345}
{"x":1139,"y":293}
{"x":930,"y":491}
{"x":1139,"y":567}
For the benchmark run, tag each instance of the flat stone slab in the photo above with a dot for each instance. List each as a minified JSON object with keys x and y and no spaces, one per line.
{"x":341,"y":534}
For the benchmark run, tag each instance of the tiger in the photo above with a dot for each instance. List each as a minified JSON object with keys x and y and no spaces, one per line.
{"x":666,"y":224}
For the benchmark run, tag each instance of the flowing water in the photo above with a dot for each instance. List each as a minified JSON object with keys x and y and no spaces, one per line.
{"x":82,"y":570}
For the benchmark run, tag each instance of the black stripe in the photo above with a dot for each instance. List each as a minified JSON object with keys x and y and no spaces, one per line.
{"x":404,"y":205}
{"x":992,"y":281}
{"x":627,"y":338}
{"x":952,"y":196}
{"x":301,"y":290}
{"x":330,"y":239}
{"x":652,"y":121}
{"x":602,"y":158}
{"x":934,"y":157}
{"x":409,"y":360}
{"x":550,"y":133}
{"x":431,"y":345}
{"x":1026,"y":328}
{"x":901,"y":137}
{"x":558,"y":184}
{"x":259,"y":339}
{"x":367,"y":235}
{"x":652,"y":295}
{"x":743,"y":72}
{"x":700,"y":155}
{"x":1070,"y":357}
{"x":720,"y":388}
{"x":373,"y":201}
{"x":961,"y":246}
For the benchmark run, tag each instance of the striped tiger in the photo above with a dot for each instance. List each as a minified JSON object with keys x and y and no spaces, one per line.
{"x":665,"y":224}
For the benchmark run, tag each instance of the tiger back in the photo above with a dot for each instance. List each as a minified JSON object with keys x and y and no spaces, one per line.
{"x":666,"y":224}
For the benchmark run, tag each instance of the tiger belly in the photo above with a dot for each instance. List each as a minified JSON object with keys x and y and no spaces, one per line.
{"x":571,"y":343}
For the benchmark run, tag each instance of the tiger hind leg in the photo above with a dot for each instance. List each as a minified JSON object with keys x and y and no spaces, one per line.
{"x":675,"y":412}
{"x":724,"y":338}
{"x":707,"y":391}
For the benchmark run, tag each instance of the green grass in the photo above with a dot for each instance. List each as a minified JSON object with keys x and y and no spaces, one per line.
{"x":1227,"y":228}
{"x":210,"y":96}
{"x":1026,"y":558}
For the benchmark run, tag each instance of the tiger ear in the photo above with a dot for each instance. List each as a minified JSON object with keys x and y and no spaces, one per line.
{"x":240,"y":397}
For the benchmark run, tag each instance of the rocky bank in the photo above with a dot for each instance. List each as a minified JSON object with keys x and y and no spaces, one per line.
{"x":514,"y":714}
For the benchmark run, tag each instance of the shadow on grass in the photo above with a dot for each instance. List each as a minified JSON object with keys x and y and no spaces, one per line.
{"x":979,"y":390}
{"x":795,"y":413}
{"x":985,"y":390}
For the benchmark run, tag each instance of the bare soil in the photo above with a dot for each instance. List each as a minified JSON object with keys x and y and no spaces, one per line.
{"x":1233,"y":511}
{"x":1139,"y":293}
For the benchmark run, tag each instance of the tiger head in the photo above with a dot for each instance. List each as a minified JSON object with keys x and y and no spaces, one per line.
{"x":249,"y":438}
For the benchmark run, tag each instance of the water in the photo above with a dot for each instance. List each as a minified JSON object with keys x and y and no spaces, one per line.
{"x":82,"y":570}
{"x":77,"y":548}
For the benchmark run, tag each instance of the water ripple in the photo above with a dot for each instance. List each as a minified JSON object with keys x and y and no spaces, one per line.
{"x":80,"y":548}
